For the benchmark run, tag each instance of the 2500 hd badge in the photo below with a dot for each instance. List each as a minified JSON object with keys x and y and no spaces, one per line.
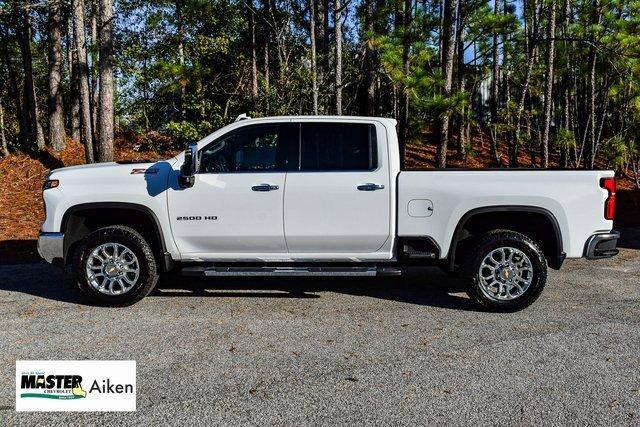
{"x":197,"y":218}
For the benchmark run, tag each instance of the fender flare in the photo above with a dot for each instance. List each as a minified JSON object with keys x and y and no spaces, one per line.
{"x":457,"y":234}
{"x":166,"y":259}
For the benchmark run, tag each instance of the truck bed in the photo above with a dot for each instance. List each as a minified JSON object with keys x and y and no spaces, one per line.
{"x":433,"y":202}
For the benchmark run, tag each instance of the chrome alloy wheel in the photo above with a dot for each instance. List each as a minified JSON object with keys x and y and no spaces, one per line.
{"x":505,"y":274}
{"x":112,"y":269}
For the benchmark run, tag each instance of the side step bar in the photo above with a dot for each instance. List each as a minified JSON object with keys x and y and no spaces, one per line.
{"x":290,"y":271}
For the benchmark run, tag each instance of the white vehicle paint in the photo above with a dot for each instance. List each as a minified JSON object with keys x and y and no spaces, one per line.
{"x":574,"y":198}
{"x":290,"y":212}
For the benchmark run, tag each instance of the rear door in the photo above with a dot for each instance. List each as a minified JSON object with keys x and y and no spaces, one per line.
{"x":339,"y":199}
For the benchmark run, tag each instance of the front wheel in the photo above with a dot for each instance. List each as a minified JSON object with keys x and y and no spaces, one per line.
{"x":115,"y":266}
{"x":506,"y":272}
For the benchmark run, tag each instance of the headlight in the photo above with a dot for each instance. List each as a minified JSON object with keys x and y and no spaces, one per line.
{"x":50,"y":183}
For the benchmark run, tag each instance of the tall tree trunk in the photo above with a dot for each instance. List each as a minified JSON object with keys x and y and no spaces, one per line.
{"x":495,"y":93}
{"x":591,"y":134}
{"x":74,"y":93}
{"x":4,"y":150}
{"x":23,"y":33}
{"x":325,"y":33}
{"x":398,"y":88}
{"x":266,"y":73}
{"x":369,"y":60}
{"x":448,"y":46}
{"x":461,"y":81}
{"x":403,"y":124}
{"x":548,"y":93}
{"x":145,"y":85}
{"x":280,"y":47}
{"x":320,"y":49}
{"x":441,"y":7}
{"x":506,"y":79}
{"x":94,"y":70}
{"x":566,"y":122}
{"x":72,"y":61}
{"x":83,"y":80}
{"x":593,"y":58}
{"x":14,"y":92}
{"x":266,"y":11}
{"x":56,"y":112}
{"x":182,"y":82}
{"x":566,"y":93}
{"x":314,"y":61}
{"x":337,"y":19}
{"x":105,"y":97}
{"x":254,"y":63}
{"x":532,"y":54}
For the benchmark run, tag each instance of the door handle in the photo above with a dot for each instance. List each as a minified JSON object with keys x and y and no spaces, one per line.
{"x":264,"y":187}
{"x":370,"y":186}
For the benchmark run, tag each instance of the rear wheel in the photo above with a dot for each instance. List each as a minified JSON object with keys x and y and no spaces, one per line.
{"x":115,"y":266}
{"x":506,"y":272}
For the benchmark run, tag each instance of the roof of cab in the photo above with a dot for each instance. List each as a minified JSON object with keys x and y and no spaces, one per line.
{"x":243,"y":117}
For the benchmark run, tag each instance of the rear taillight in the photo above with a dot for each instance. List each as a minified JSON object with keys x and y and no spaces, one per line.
{"x":610,"y":204}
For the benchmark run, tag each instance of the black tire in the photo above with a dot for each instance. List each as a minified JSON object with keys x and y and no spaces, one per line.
{"x":131,"y":239}
{"x":483,"y":246}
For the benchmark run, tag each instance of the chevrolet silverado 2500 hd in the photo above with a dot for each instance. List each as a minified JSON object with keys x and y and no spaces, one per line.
{"x":319,"y":196}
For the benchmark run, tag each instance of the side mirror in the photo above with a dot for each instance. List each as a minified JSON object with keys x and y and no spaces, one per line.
{"x":190,"y":166}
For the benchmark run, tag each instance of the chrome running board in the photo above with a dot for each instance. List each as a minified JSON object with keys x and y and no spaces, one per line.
{"x":290,"y":271}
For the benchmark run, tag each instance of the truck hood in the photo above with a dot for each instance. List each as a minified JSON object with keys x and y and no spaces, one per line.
{"x":114,"y":178}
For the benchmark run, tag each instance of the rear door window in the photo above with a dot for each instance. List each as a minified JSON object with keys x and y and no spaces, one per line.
{"x":338,"y":147}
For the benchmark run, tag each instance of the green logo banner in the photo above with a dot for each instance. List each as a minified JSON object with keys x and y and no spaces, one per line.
{"x":51,"y":396}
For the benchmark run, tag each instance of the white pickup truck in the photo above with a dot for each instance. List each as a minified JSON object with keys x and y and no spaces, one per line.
{"x":319,"y":196}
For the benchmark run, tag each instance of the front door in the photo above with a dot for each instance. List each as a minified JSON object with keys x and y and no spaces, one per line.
{"x":338,"y":201}
{"x":236,"y":204}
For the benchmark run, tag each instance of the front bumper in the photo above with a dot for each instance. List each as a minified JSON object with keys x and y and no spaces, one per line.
{"x":51,"y":247}
{"x":602,"y":245}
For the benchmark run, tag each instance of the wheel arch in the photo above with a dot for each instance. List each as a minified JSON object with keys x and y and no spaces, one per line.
{"x":74,"y":227}
{"x":554,"y":249}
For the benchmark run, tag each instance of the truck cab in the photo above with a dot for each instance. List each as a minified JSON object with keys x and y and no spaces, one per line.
{"x":290,"y":190}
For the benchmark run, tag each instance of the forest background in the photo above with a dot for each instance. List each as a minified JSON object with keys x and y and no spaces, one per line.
{"x":471,"y":83}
